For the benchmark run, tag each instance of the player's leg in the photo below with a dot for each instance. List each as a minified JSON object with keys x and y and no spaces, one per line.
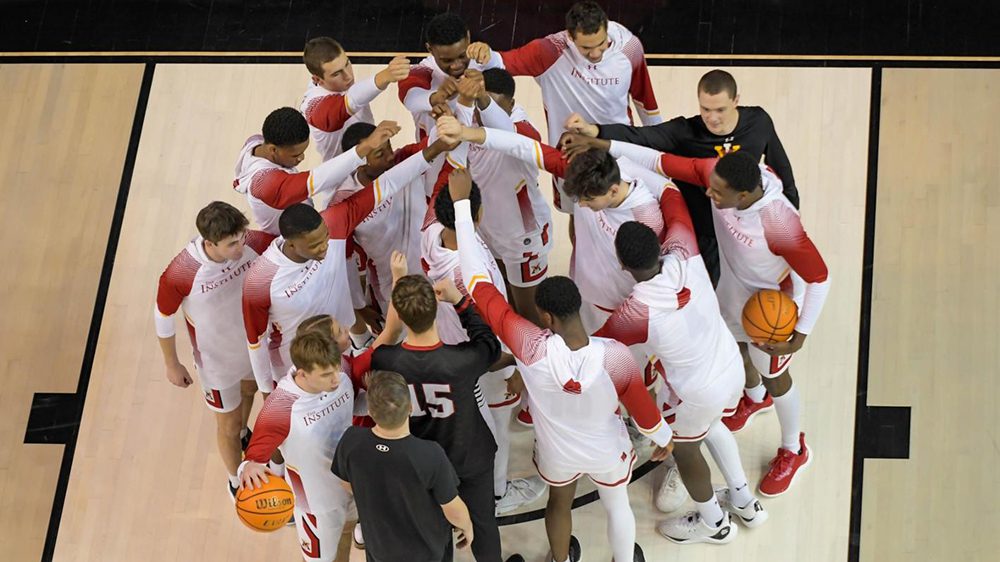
{"x":523,"y":273}
{"x":755,"y":397}
{"x":793,"y":454}
{"x":621,"y":520}
{"x":559,"y":519}
{"x":248,"y":391}
{"x":321,"y":536}
{"x":737,"y":497}
{"x":476,"y":491}
{"x":226,"y":405}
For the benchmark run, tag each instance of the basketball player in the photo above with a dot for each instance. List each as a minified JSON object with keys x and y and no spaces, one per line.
{"x":206,"y":280}
{"x":576,"y":383}
{"x":673,"y":313}
{"x":500,"y":385}
{"x":293,"y":279}
{"x":721,"y":126}
{"x":763,"y":246}
{"x":518,"y":227}
{"x":305,"y":417}
{"x":265,"y":169}
{"x":334,"y":100}
{"x":592,"y":68}
{"x":413,"y":521}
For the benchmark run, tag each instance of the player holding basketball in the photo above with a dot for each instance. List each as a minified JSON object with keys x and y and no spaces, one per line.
{"x":576,"y":383}
{"x":721,"y":127}
{"x":593,"y":68}
{"x":763,"y":246}
{"x":334,"y":100}
{"x":206,"y":280}
{"x":673,"y":313}
{"x":304,"y":418}
{"x":266,"y":167}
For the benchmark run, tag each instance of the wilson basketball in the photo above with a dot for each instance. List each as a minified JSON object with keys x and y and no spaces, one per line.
{"x":267,"y":508}
{"x":769,"y":316}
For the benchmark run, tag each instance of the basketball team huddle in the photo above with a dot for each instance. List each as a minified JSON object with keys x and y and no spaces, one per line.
{"x":395,"y":306}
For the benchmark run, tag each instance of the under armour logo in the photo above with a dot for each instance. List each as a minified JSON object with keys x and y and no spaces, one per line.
{"x":382,"y":448}
{"x":591,"y":67}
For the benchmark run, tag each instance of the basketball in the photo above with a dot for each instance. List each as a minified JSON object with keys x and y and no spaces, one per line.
{"x":769,"y":316}
{"x":267,"y":508}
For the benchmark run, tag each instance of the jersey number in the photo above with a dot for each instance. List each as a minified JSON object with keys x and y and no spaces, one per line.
{"x":433,"y":399}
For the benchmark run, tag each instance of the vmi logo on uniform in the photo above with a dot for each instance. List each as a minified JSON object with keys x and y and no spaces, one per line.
{"x":382,"y":448}
{"x":726,"y":148}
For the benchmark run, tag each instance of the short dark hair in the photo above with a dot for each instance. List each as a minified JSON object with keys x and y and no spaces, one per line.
{"x":355,"y":134}
{"x":558,"y":296}
{"x":319,"y":51}
{"x":415,"y":303}
{"x":220,"y":220}
{"x":740,"y":170}
{"x":591,"y":174}
{"x":587,"y":17}
{"x":285,"y":126}
{"x":446,"y":29}
{"x":321,"y":323}
{"x":314,"y":349}
{"x":297,"y":220}
{"x":499,"y":81}
{"x":444,"y":207}
{"x":388,"y":399}
{"x":715,"y":81}
{"x":637,"y":246}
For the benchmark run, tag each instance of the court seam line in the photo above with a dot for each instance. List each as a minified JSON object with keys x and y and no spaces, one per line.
{"x":69,"y":450}
{"x":864,"y":331}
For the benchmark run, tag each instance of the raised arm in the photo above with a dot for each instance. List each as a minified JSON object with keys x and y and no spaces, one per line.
{"x":518,"y":146}
{"x":534,"y":58}
{"x":691,"y":170}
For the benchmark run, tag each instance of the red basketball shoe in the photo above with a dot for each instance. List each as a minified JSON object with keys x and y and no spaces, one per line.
{"x":746,"y":410}
{"x":784,"y":467}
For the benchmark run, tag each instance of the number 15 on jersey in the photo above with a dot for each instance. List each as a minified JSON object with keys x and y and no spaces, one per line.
{"x":433,"y":399}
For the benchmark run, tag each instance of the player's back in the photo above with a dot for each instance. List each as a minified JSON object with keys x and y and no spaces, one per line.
{"x":574,"y":405}
{"x":327,"y":142}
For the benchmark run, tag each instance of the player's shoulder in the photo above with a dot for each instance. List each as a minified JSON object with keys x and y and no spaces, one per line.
{"x":315,"y":96}
{"x":258,"y":240}
{"x":755,"y":114}
{"x":184,"y":266}
{"x":559,"y":40}
{"x":264,"y":268}
{"x":625,"y":42}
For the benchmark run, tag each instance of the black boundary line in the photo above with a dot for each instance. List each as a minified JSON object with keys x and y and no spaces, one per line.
{"x":62,"y":484}
{"x":377,"y":59}
{"x":864,"y":335}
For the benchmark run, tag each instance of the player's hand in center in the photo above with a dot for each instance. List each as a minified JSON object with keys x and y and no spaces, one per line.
{"x":478,"y":51}
{"x":577,"y":124}
{"x":397,"y":69}
{"x":382,"y":133}
{"x":446,"y":291}
{"x":459,"y":184}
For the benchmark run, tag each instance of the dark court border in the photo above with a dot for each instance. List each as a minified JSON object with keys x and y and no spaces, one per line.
{"x":864,"y":445}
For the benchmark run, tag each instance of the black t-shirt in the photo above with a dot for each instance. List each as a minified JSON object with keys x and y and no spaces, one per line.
{"x":688,"y":136}
{"x":445,"y":381}
{"x":399,"y":488}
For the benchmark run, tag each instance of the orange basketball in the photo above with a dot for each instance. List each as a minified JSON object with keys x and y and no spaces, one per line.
{"x":769,"y":316}
{"x":267,"y":508}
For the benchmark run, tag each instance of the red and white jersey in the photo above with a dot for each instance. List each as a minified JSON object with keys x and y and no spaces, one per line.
{"x":210,"y":294}
{"x":280,"y":293}
{"x":330,"y":113}
{"x":439,"y":263}
{"x":271,"y":188}
{"x":393,"y":225}
{"x":306,"y":428}
{"x":761,"y":247}
{"x":600,"y":91}
{"x":517,"y":220}
{"x":574,"y":393}
{"x":675,"y":316}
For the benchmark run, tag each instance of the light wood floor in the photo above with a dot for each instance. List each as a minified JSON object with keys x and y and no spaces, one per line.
{"x":935,"y":309}
{"x":62,"y":145}
{"x":146,"y":481}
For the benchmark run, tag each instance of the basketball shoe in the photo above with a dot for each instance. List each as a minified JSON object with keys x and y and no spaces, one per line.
{"x":690,"y":528}
{"x":520,"y":491}
{"x":746,"y":410}
{"x":672,"y":494}
{"x":785,"y":467}
{"x":752,"y":515}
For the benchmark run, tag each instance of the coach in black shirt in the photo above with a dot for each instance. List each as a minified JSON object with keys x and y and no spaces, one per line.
{"x":721,"y":127}
{"x":405,"y":488}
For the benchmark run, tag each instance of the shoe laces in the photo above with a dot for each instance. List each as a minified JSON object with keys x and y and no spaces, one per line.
{"x":782,"y":464}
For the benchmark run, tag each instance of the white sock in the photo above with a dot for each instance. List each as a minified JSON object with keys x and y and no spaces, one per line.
{"x":234,"y":481}
{"x":278,"y":469}
{"x":787,"y":407}
{"x":756,"y":393}
{"x":621,"y":521}
{"x":359,"y":340}
{"x":711,"y":512}
{"x":722,"y":446}
{"x":501,"y":432}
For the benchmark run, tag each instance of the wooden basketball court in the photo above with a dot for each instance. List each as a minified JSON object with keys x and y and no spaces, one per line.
{"x":99,"y":157}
